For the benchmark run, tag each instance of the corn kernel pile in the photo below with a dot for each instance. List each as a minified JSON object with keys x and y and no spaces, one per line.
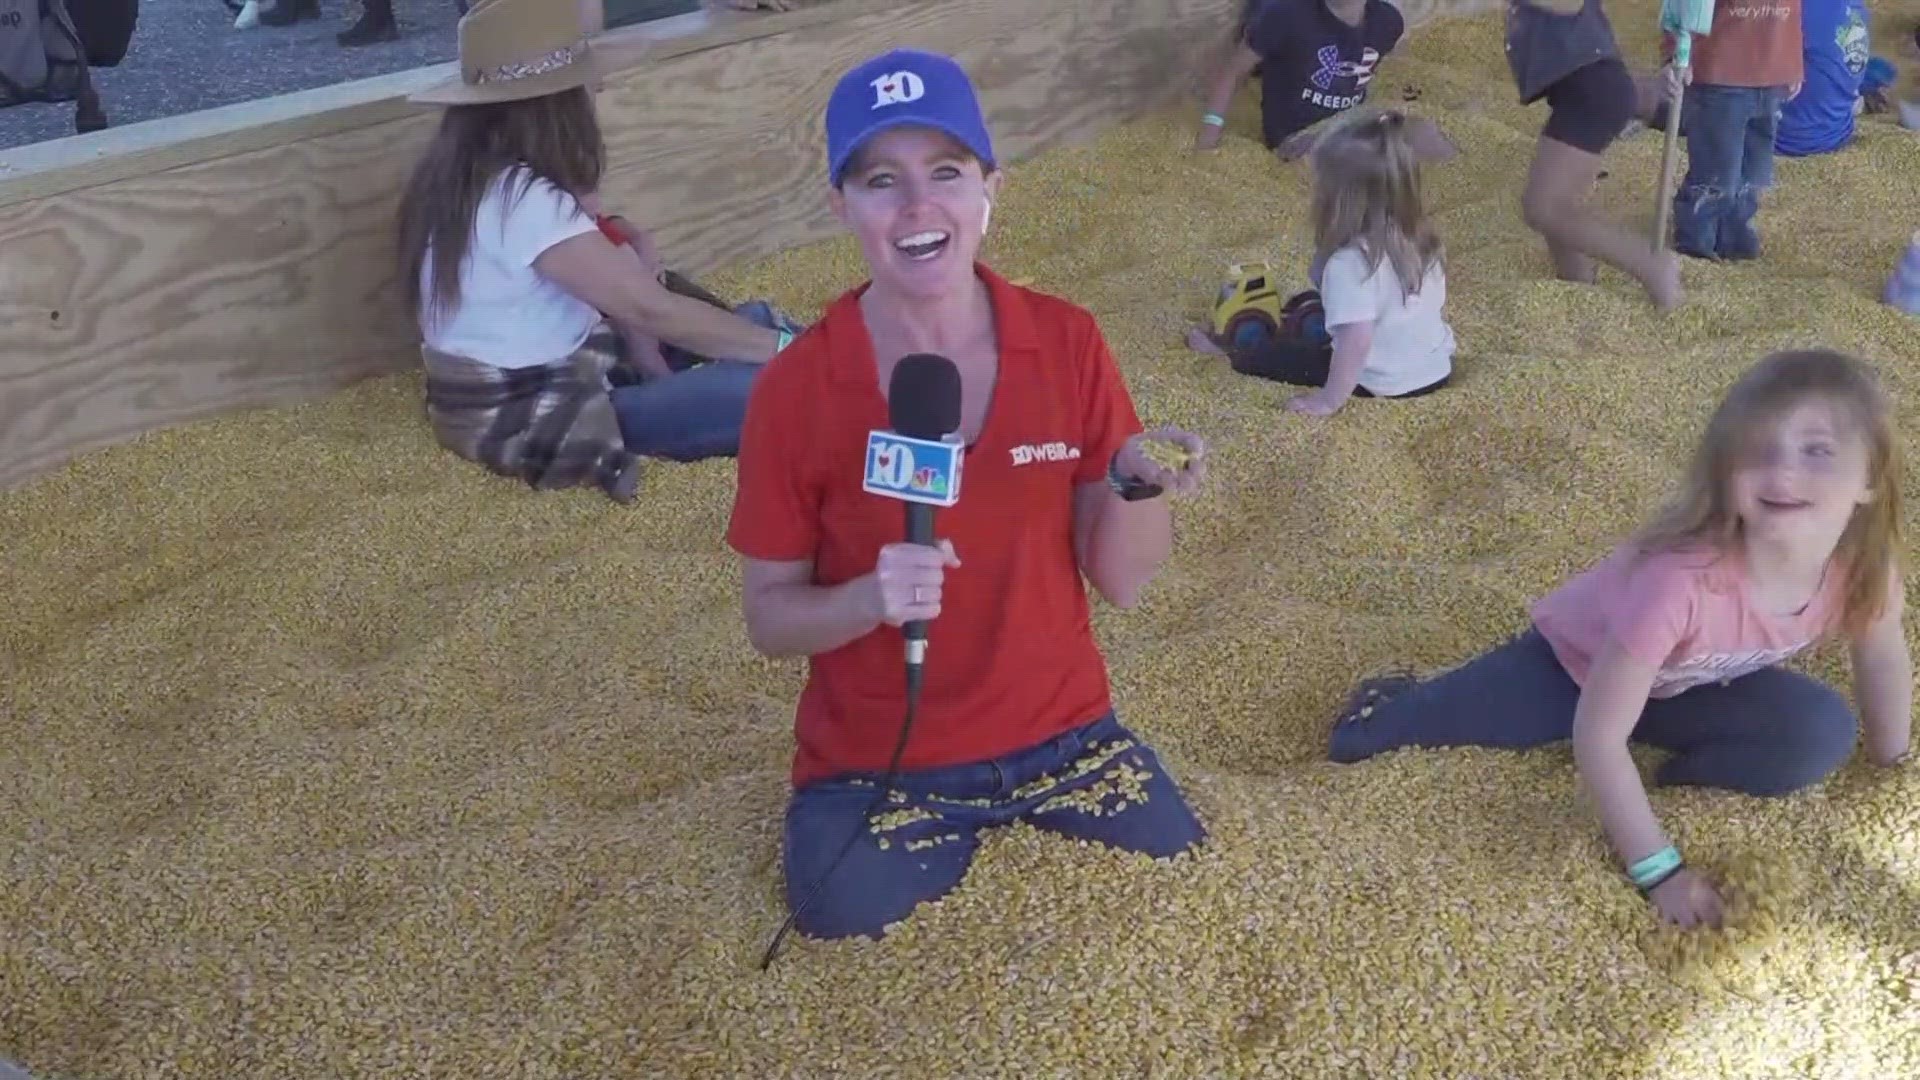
{"x":342,"y":758}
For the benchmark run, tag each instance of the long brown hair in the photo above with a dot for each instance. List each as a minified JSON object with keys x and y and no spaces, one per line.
{"x":555,"y":136}
{"x":1366,"y":192}
{"x":1703,"y":511}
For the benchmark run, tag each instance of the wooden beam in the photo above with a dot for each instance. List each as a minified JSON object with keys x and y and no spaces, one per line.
{"x":249,"y":261}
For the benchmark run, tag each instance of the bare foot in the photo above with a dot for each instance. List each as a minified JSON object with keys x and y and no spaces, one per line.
{"x":1200,"y":341}
{"x":1664,"y":287}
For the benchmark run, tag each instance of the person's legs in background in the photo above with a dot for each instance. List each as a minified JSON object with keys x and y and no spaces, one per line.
{"x":1715,"y":118}
{"x":1739,"y":238}
{"x":697,"y":411}
{"x":1589,"y":110}
{"x":286,"y":12}
{"x":376,"y":24}
{"x":690,"y":415}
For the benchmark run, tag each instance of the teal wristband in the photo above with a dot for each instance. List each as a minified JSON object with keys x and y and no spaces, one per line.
{"x":1213,"y":120}
{"x":1654,"y":869}
{"x":786,"y":339}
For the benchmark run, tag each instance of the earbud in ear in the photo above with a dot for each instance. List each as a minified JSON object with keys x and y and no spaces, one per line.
{"x":986,"y":215}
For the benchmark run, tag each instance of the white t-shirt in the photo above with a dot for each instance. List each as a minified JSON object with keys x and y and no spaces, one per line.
{"x":1412,"y":343}
{"x":508,"y":315}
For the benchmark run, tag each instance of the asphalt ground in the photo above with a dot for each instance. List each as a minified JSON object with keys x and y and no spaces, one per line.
{"x":186,"y":56}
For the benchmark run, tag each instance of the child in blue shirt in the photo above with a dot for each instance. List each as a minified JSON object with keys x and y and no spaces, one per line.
{"x":1820,"y":119}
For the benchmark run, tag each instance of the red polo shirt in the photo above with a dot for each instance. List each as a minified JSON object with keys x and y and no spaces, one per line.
{"x":1011,"y":661}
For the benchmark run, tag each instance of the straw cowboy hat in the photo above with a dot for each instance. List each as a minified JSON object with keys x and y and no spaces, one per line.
{"x":511,"y":50}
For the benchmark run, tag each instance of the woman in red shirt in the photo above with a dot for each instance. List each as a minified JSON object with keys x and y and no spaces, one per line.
{"x":1015,"y":721}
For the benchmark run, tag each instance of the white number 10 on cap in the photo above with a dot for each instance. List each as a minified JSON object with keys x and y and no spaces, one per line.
{"x":899,"y":88}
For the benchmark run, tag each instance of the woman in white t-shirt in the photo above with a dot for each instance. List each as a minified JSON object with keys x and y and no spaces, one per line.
{"x":557,"y":349}
{"x":1374,"y":327}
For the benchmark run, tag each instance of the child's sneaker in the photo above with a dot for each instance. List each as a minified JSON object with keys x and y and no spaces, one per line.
{"x":1344,"y":744}
{"x":1903,"y":285}
{"x":1740,"y":244}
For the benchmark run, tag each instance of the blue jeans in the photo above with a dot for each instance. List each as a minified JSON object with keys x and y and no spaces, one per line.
{"x":688,"y":415}
{"x":1098,"y":782}
{"x":697,"y":411}
{"x":1730,"y":132}
{"x":1767,"y":733}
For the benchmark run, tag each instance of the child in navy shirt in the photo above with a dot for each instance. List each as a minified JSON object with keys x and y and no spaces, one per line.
{"x":1315,"y":58}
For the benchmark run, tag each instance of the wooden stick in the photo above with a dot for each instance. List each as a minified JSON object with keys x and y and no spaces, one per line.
{"x":1664,"y":204}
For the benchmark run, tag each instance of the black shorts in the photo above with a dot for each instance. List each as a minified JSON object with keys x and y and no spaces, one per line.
{"x":1591,"y":106}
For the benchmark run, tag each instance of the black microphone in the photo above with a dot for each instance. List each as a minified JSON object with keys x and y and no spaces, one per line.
{"x":923,"y":402}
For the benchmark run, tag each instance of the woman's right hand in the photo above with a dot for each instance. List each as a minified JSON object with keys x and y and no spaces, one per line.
{"x":1688,"y":899}
{"x":907,"y":579}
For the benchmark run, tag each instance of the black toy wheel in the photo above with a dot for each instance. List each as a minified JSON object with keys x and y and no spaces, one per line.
{"x":1250,"y":329}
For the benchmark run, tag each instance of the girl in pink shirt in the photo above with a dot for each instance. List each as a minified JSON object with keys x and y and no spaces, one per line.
{"x":1786,"y":531}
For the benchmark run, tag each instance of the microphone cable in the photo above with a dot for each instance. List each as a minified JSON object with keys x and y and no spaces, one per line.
{"x":866,"y":816}
{"x":923,"y":401}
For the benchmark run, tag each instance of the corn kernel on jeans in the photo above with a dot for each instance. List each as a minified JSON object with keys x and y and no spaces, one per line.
{"x":1096,"y":782}
{"x":1767,"y":733}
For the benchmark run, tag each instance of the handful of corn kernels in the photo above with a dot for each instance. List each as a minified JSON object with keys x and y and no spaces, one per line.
{"x":1755,"y":893}
{"x":1166,"y":454}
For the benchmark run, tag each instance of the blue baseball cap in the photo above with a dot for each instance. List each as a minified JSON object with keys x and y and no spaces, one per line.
{"x":899,"y":88}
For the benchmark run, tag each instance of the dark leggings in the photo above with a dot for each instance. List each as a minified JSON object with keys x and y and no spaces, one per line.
{"x":1302,"y":363}
{"x":1768,"y":733}
{"x":1301,"y":353}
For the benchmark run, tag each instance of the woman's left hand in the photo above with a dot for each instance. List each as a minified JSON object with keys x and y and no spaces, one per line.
{"x":1136,"y":459}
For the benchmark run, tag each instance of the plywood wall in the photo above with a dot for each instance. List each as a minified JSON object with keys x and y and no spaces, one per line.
{"x":259,"y":276}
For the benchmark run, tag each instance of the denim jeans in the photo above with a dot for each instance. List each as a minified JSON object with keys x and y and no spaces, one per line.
{"x":1766,"y":733}
{"x":697,"y":411}
{"x":1730,"y":132}
{"x":1097,"y":782}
